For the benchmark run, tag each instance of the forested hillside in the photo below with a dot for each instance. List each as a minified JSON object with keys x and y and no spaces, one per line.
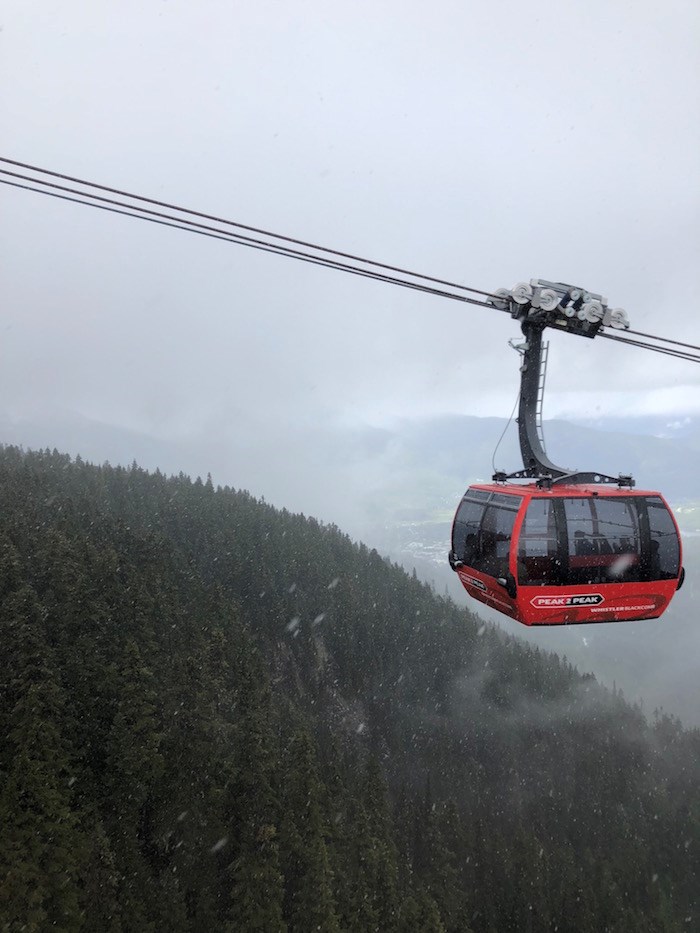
{"x":216,"y":715}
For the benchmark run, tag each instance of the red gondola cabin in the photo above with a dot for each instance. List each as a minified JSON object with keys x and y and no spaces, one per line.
{"x":567,"y":554}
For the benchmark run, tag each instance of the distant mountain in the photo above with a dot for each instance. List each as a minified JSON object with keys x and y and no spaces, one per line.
{"x":457,"y":448}
{"x":464,"y":446}
{"x":683,"y":428}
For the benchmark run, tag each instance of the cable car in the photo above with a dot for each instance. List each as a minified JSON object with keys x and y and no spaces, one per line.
{"x":570,"y":553}
{"x":565,"y":548}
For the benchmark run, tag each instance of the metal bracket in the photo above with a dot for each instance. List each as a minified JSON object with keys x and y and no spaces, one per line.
{"x":537,"y":306}
{"x":576,"y":477}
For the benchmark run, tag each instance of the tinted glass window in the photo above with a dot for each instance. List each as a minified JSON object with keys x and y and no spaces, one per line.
{"x":508,"y":502}
{"x":665,"y":554}
{"x":538,"y":560}
{"x":494,"y":549}
{"x":603,"y":540}
{"x":583,"y":553}
{"x":615,"y":525}
{"x":466,"y":530}
{"x":579,"y":525}
{"x":482,"y":532}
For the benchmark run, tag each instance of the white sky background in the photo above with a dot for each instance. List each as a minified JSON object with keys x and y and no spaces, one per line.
{"x":482,"y":142}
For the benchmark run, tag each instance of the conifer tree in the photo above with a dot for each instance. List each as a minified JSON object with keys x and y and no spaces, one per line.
{"x":385,"y":880}
{"x":134,"y":767}
{"x":253,"y":877}
{"x":308,"y":903}
{"x":100,"y":879}
{"x":357,"y":902}
{"x":40,"y":841}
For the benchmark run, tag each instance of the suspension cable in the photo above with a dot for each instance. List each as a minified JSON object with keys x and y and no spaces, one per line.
{"x":90,"y":199}
{"x":677,"y":343}
{"x":679,"y":354}
{"x":180,"y":223}
{"x":232,"y":223}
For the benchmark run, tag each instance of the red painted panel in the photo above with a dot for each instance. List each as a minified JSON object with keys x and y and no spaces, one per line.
{"x":607,"y":602}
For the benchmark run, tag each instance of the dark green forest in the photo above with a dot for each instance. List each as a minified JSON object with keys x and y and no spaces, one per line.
{"x":217,"y":715}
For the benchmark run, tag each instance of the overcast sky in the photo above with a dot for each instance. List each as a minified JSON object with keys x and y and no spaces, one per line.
{"x":483,"y":142}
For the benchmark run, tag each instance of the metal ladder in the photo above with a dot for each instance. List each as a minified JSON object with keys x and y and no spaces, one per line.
{"x":540,"y":394}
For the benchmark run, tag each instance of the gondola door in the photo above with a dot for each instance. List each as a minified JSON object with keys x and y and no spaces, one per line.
{"x":484,"y":529}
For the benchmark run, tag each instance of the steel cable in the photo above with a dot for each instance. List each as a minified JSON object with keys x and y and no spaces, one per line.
{"x":679,"y":354}
{"x":89,"y":199}
{"x":179,"y":223}
{"x":277,"y":236}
